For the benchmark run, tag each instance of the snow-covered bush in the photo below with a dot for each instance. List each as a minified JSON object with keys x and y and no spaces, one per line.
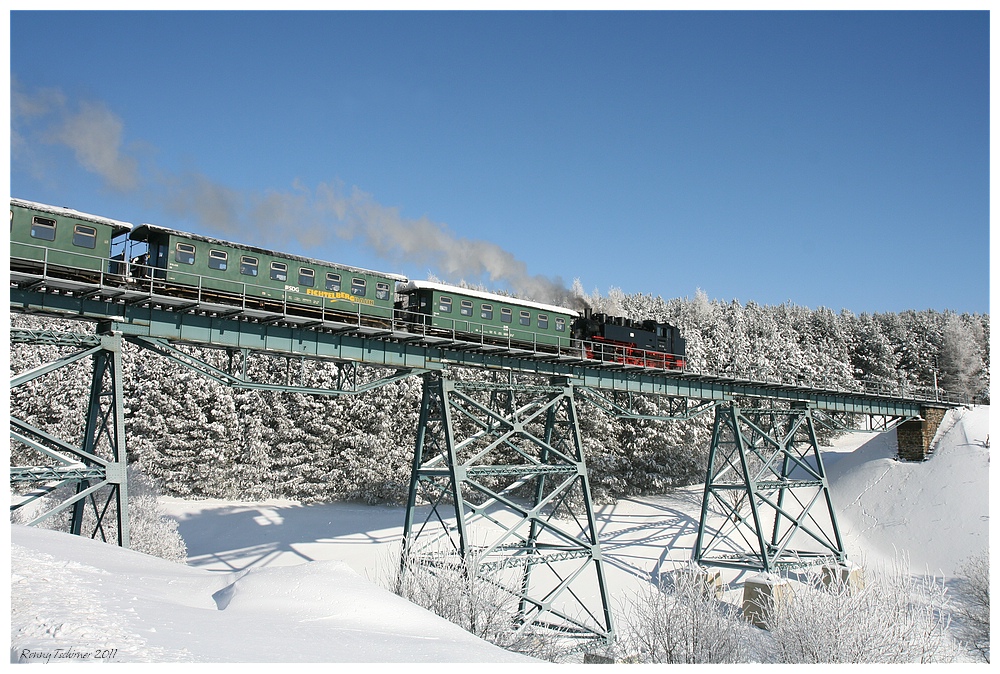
{"x":150,"y":531}
{"x":454,"y":591}
{"x":974,"y":604}
{"x":681,"y":622}
{"x":893,"y":618}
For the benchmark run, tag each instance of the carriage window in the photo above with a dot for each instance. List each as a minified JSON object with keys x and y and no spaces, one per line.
{"x":382,"y":291}
{"x":84,"y":236}
{"x":525,"y":318}
{"x":333,"y":282}
{"x":307,"y":277}
{"x":506,"y":315}
{"x":279,"y":271}
{"x":43,"y":228}
{"x":184,"y":253}
{"x":359,"y":287}
{"x":560,"y":325}
{"x":465,"y":308}
{"x":444,"y":305}
{"x":543,"y":321}
{"x":248,"y":265}
{"x":218,"y":259}
{"x":487,"y":312}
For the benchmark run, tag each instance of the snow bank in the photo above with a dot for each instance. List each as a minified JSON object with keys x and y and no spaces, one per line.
{"x":936,"y":513}
{"x":80,"y":598}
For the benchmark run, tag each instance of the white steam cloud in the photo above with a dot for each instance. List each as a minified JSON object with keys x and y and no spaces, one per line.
{"x":311,"y":216}
{"x":90,"y":130}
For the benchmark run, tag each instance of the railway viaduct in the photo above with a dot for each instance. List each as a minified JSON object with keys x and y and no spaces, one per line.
{"x":499,"y":477}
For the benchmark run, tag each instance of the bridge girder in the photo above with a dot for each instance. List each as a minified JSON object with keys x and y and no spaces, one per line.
{"x":392,"y":348}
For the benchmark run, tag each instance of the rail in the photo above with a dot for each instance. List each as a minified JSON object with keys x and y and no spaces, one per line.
{"x":96,"y":275}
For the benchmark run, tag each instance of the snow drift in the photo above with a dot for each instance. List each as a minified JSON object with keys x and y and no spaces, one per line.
{"x":77,"y":598}
{"x":935,"y":513}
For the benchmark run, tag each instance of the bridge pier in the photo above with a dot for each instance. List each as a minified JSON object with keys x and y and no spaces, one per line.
{"x":766,"y":478}
{"x":500,"y":491}
{"x":915,"y":437}
{"x":96,"y":467}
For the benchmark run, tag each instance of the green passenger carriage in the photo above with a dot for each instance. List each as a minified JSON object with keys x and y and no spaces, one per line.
{"x":61,"y":242}
{"x":222,"y":271}
{"x":495,"y":318}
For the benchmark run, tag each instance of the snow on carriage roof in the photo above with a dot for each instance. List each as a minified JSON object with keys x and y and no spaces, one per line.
{"x":70,"y":213}
{"x":276,"y":253}
{"x":417,"y":285}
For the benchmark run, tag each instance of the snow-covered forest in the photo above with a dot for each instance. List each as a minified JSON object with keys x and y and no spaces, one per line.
{"x":200,"y":438}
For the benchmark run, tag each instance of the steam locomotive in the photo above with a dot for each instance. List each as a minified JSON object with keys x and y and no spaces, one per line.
{"x":58,"y":242}
{"x":646,"y":343}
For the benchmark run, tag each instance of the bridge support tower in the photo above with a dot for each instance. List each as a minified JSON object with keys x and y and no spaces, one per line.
{"x":93,"y":469}
{"x":766,"y":478}
{"x":500,"y":489}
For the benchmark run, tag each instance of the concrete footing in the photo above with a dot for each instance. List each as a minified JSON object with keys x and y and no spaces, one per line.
{"x":709,"y":580}
{"x":762,"y":594}
{"x":846,"y":575}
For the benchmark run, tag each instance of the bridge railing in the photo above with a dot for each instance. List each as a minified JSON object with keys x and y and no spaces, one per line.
{"x":50,"y":263}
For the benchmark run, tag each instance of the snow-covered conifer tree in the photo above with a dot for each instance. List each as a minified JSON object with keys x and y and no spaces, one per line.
{"x":961,"y":355}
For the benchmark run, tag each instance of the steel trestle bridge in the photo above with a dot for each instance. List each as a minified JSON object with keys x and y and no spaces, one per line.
{"x":499,"y":485}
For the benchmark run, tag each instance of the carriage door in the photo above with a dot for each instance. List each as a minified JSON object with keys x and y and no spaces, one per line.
{"x":158,"y":254}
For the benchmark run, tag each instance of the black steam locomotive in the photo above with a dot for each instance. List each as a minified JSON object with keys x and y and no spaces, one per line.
{"x":621,"y":340}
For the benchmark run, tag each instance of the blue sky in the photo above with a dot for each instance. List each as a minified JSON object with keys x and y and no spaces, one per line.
{"x":836,"y":159}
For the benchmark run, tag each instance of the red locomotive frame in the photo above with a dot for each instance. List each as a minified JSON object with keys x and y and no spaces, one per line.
{"x":630,"y":354}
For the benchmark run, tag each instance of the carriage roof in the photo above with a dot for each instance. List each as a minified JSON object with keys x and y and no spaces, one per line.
{"x":455,"y":290}
{"x":118,"y":226}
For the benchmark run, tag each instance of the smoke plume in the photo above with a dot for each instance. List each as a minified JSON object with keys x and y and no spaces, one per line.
{"x":90,"y":130}
{"x":311,"y":216}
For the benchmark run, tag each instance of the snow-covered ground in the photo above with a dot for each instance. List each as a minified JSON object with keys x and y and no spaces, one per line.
{"x":283,"y":582}
{"x":936,"y":513}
